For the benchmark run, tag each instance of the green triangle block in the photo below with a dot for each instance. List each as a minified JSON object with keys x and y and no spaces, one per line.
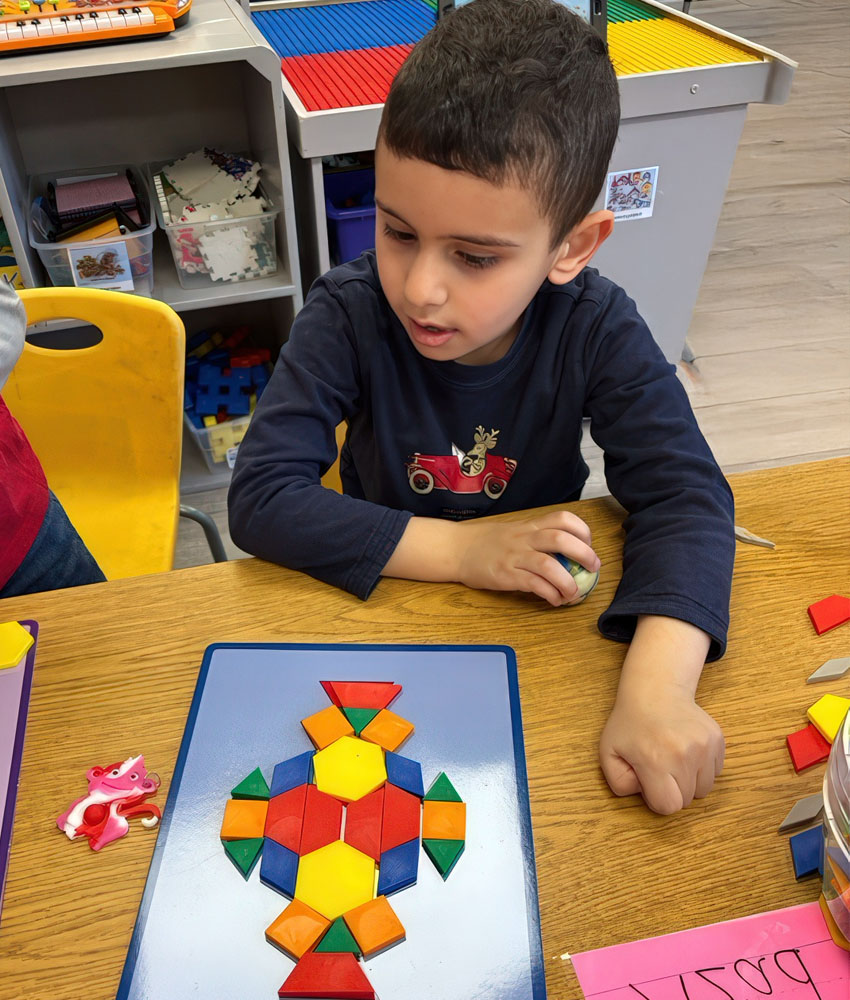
{"x":360,"y":717}
{"x":338,"y":938}
{"x":252,"y":787}
{"x":442,"y":790}
{"x":443,"y":854}
{"x":244,"y":853}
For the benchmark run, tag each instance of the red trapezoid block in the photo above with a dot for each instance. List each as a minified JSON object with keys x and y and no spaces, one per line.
{"x":363,"y":820}
{"x":286,"y":816}
{"x":361,"y":694}
{"x":322,"y":820}
{"x":402,"y":815}
{"x":331,"y":975}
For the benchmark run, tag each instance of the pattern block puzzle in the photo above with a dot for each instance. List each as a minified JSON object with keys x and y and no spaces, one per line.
{"x":337,"y":831}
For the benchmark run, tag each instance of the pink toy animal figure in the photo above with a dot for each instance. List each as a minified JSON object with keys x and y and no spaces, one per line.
{"x":115,"y":793}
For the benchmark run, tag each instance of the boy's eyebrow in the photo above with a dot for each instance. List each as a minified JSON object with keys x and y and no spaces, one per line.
{"x":483,"y":241}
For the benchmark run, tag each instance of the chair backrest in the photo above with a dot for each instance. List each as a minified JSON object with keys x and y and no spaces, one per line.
{"x":331,"y":479}
{"x":106,"y":422}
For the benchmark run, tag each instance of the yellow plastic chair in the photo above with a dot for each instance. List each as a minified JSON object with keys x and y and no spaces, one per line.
{"x":331,"y":479}
{"x":106,"y":422}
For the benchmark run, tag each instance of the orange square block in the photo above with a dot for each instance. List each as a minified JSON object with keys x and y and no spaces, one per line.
{"x":387,"y":729}
{"x":327,"y":727}
{"x":443,"y":820}
{"x":297,"y":929}
{"x":374,"y":925}
{"x":243,"y":818}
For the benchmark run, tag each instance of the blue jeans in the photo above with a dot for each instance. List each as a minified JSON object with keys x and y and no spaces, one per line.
{"x":57,"y":558}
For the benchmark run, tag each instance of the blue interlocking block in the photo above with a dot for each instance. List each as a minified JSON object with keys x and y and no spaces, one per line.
{"x":292,"y":773}
{"x":217,"y":390}
{"x":807,"y":852}
{"x":398,"y":867}
{"x":279,"y":867}
{"x":405,"y":773}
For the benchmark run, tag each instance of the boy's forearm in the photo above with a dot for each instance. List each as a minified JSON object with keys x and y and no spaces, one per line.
{"x":664,"y":651}
{"x":428,"y":550}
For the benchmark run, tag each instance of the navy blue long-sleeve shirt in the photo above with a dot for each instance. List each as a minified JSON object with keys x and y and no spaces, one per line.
{"x":443,"y":439}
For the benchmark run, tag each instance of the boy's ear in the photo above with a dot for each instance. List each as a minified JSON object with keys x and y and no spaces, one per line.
{"x":582,"y":243}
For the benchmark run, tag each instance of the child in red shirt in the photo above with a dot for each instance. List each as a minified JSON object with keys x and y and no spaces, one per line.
{"x":39,"y":547}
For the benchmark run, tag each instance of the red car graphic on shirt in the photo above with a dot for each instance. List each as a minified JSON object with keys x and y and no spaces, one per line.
{"x":443,"y":472}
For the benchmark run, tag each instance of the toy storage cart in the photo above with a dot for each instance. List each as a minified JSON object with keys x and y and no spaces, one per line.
{"x":684,"y":88}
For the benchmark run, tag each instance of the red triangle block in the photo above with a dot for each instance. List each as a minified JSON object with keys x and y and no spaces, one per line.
{"x":361,"y":694}
{"x":330,"y":975}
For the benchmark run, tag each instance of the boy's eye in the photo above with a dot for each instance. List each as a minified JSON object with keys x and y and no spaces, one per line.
{"x":398,"y":234}
{"x":472,"y":261}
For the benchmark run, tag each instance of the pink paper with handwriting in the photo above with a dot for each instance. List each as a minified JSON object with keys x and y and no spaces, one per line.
{"x":785,"y":954}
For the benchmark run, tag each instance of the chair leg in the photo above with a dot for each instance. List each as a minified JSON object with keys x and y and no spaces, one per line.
{"x":210,"y":530}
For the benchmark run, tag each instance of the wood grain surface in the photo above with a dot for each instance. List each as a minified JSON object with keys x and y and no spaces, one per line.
{"x":117,"y":665}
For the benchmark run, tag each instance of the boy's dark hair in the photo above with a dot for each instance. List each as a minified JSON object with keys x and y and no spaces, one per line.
{"x":515,"y":91}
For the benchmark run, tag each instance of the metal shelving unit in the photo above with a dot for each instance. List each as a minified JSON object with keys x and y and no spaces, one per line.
{"x":211,"y":82}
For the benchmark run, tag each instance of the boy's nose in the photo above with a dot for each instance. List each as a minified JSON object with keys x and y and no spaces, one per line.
{"x":424,"y":286}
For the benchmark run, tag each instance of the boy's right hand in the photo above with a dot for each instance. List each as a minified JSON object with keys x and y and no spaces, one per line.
{"x":515,"y":555}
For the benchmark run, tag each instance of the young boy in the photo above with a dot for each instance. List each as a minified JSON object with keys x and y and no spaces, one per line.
{"x":39,"y":547}
{"x":463,"y":354}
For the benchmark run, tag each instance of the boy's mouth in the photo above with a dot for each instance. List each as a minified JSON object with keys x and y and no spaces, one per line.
{"x":429,"y":334}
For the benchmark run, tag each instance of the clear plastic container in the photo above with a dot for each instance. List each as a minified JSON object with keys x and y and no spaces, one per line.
{"x":220,"y":443}
{"x":122,"y":263}
{"x":836,"y":828}
{"x":250,"y":240}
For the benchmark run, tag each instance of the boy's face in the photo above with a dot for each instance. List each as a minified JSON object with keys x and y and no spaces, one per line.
{"x":459,"y":259}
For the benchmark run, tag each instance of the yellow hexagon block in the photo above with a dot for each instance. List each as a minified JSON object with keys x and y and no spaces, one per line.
{"x":15,"y":640}
{"x":335,"y":879}
{"x":349,"y":768}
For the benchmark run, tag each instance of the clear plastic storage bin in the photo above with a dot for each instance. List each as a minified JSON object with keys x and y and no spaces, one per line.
{"x":836,"y":829}
{"x":123,"y":263}
{"x":219,"y":443}
{"x":244,"y":248}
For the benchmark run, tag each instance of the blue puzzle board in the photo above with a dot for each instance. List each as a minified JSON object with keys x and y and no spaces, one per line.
{"x":200,"y":929}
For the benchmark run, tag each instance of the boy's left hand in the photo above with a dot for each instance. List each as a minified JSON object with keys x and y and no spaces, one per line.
{"x":658,"y":742}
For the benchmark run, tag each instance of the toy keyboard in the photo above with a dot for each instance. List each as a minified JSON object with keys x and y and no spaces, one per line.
{"x":30,"y":24}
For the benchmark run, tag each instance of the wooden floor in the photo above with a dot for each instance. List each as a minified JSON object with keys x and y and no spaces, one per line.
{"x":770,"y":336}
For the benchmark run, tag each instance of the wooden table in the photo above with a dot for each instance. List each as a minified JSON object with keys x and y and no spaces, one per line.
{"x":117,"y":665}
